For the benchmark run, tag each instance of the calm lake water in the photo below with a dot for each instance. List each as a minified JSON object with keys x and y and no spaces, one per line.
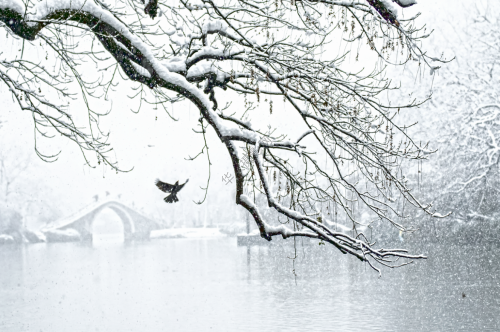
{"x":214,"y":285}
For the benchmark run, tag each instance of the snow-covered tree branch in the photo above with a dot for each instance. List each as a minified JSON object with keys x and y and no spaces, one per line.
{"x":265,"y":51}
{"x":466,"y":109}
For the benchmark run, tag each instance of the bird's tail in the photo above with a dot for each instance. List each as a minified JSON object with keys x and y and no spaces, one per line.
{"x":171,"y":198}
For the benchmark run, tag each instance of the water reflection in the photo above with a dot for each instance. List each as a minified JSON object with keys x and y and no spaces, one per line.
{"x":202,"y":285}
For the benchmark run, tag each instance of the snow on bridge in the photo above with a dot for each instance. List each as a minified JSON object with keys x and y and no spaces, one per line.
{"x":135,"y":224}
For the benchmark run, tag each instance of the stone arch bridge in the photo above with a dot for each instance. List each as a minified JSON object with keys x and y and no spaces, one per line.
{"x":135,"y":225}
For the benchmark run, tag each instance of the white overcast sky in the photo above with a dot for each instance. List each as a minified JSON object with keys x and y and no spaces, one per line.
{"x":68,"y":184}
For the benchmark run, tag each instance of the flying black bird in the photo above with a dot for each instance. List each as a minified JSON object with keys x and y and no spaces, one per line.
{"x":170,"y":188}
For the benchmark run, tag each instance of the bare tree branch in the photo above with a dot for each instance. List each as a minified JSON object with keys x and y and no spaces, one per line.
{"x":263,"y":50}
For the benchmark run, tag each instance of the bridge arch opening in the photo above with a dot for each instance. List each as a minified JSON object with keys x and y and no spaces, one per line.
{"x":110,"y":225}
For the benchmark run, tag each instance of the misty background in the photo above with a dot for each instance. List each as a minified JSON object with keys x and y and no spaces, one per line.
{"x":152,"y":145}
{"x":212,"y":283}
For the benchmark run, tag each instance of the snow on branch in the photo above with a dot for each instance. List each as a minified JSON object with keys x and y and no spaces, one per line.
{"x":202,"y":49}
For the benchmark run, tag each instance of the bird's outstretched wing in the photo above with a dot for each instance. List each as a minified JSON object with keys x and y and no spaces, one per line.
{"x":165,"y":187}
{"x":182,"y":185}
